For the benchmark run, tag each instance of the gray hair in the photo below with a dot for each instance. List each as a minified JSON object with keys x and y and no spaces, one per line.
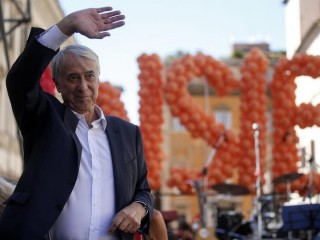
{"x":78,"y":50}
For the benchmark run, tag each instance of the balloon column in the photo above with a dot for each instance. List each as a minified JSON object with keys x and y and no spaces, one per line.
{"x":253,"y":87}
{"x":151,"y":118}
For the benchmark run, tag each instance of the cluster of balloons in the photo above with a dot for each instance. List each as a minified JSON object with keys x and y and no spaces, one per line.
{"x":151,"y":117}
{"x":253,"y":86}
{"x":286,"y":114}
{"x":199,"y":123}
{"x":182,"y":177}
{"x":109,"y":101}
{"x":253,"y":102}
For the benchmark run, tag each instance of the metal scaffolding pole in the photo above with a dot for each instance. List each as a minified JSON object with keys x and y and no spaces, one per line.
{"x":25,"y":17}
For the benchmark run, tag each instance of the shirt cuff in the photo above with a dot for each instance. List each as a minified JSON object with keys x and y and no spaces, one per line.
{"x":52,"y":38}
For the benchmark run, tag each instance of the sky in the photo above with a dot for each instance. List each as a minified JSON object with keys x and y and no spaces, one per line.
{"x":168,"y":26}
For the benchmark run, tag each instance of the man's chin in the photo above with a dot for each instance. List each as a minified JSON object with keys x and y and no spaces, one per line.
{"x":81,"y":110}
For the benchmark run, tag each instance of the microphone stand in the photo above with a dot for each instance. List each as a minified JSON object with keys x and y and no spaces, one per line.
{"x":311,"y":173}
{"x":205,"y":181}
{"x":255,"y":127}
{"x":309,"y":185}
{"x":212,"y":153}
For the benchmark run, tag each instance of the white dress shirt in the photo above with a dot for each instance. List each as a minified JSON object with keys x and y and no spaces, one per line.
{"x":89,"y":211}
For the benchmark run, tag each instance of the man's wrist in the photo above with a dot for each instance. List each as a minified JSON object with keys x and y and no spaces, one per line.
{"x":52,"y":38}
{"x":145,"y":206}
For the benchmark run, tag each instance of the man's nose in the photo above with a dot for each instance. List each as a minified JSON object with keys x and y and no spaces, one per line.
{"x":83,"y":84}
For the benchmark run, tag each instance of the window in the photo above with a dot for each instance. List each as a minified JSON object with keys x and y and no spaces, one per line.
{"x":223,"y":115}
{"x":177,"y":126}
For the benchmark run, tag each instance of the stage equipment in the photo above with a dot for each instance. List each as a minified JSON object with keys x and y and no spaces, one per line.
{"x":287,"y":179}
{"x":207,"y":229}
{"x":227,"y":222}
{"x":255,"y":127}
{"x":301,"y":217}
{"x":309,"y":188}
{"x":230,"y":189}
{"x":270,"y":210}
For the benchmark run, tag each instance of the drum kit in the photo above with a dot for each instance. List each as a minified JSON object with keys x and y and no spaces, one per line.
{"x":273,"y":216}
{"x":230,"y":223}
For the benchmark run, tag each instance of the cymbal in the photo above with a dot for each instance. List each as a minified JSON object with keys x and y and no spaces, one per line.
{"x":232,"y":189}
{"x":287,"y":178}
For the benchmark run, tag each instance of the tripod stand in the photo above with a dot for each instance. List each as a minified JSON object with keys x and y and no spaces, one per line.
{"x":309,"y":187}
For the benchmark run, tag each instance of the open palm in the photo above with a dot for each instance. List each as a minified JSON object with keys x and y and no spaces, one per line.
{"x":92,"y":22}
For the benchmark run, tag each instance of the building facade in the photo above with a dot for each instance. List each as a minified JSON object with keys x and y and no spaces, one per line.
{"x":16,"y":18}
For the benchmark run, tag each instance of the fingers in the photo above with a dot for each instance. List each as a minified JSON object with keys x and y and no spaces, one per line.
{"x":108,"y":27}
{"x":114,"y":19}
{"x":114,"y":22}
{"x":125,"y":221}
{"x":124,"y":226}
{"x":102,"y":35}
{"x":130,"y":229}
{"x":117,"y":24}
{"x":103,"y":9}
{"x":111,"y":21}
{"x":110,"y":14}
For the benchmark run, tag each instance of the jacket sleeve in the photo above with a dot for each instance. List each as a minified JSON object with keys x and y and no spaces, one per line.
{"x":143,"y":192}
{"x":23,"y":81}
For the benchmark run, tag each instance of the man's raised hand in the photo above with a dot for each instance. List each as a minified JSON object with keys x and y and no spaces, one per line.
{"x":92,"y":22}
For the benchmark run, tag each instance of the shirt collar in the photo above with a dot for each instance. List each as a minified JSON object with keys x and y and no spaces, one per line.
{"x":102,"y":119}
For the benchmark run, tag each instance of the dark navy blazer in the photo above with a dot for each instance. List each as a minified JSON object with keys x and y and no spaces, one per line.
{"x":52,"y":153}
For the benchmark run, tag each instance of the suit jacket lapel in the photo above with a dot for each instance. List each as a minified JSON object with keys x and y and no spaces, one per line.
{"x":116,"y":149}
{"x":71,"y":122}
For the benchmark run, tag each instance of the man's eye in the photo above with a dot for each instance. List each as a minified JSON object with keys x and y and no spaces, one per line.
{"x":73,"y":78}
{"x":91,"y":76}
